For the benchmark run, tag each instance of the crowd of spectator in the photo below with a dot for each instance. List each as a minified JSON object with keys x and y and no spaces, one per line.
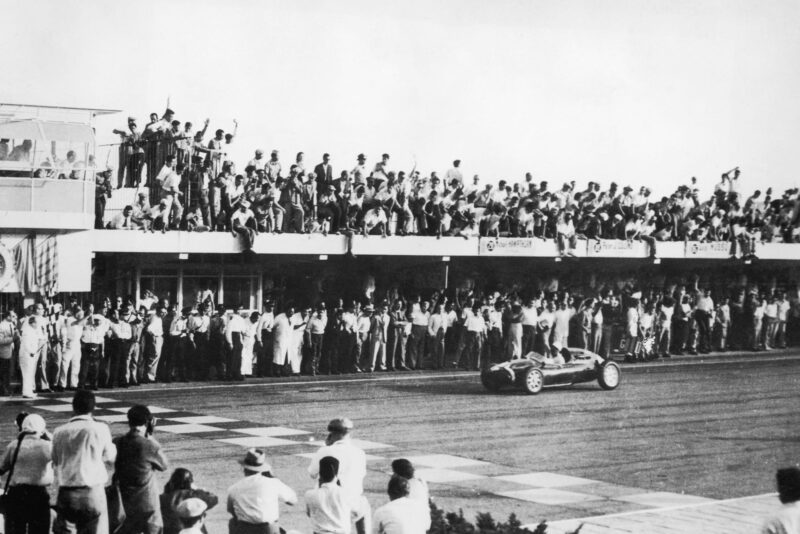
{"x":107,"y":484}
{"x":194,"y":185}
{"x":124,"y":343}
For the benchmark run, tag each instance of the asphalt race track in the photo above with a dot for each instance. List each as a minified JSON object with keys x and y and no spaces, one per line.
{"x":673,"y":436}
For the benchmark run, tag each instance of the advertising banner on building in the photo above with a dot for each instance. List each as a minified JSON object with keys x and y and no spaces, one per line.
{"x":516,"y":246}
{"x":616,"y":248}
{"x":713,"y":250}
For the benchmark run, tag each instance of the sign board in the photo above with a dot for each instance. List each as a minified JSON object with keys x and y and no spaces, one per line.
{"x":617,"y":248}
{"x":712,"y":250}
{"x":516,"y":246}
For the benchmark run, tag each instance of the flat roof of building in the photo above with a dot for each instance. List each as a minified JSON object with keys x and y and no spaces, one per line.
{"x":98,"y":111}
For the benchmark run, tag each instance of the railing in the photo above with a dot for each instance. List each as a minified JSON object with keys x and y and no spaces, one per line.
{"x":47,"y":195}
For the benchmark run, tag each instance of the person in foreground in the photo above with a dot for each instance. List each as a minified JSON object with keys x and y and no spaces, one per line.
{"x":328,"y":506}
{"x":27,"y":462}
{"x":401,"y":514}
{"x":254,"y":501}
{"x":82,"y":448}
{"x":352,"y":468}
{"x":787,"y":519}
{"x":192,"y":514}
{"x":139,"y":456}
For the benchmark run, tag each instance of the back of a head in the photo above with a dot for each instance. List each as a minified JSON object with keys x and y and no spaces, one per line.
{"x":398,"y":487}
{"x":788,"y":480}
{"x":181,"y":479}
{"x":328,"y":468}
{"x":139,"y":415}
{"x":403,"y":467}
{"x":83,"y":402}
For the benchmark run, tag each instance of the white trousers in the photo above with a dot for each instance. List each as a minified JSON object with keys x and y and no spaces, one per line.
{"x":28,"y":363}
{"x":70,"y":367}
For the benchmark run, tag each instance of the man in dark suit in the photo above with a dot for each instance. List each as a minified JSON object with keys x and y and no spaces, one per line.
{"x":324,"y":174}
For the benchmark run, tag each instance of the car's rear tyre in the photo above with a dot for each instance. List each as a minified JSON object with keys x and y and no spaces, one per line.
{"x":534,"y":381}
{"x":488,"y":382}
{"x":610,"y":375}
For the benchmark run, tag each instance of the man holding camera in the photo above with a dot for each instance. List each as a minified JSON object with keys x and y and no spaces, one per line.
{"x":139,"y":456}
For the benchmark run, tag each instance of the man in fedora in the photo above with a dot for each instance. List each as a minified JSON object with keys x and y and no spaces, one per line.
{"x":253,"y":502}
{"x":352,"y":469}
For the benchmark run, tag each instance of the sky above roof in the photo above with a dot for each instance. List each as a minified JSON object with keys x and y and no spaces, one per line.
{"x":634,"y":91}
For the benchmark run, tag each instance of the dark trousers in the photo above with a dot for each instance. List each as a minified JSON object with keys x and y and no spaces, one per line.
{"x":416,"y":346}
{"x":6,"y":366}
{"x":473,"y":345}
{"x":703,"y":330}
{"x":264,"y":367}
{"x":397,"y":348}
{"x":235,"y":367}
{"x":28,"y":510}
{"x":216,"y":355}
{"x":316,"y":352}
{"x":198,"y":361}
{"x":115,"y":371}
{"x":528,"y":338}
{"x":91,"y":354}
{"x":495,"y":342}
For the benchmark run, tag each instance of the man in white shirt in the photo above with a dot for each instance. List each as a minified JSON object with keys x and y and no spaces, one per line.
{"x":419,"y":331}
{"x":352,"y":468}
{"x":81,"y":450}
{"x":475,"y":332}
{"x":233,"y":335}
{"x":437,"y":328}
{"x":254,"y":501}
{"x":401,"y":515}
{"x":328,"y":506}
{"x":454,"y":174}
{"x":243,"y":223}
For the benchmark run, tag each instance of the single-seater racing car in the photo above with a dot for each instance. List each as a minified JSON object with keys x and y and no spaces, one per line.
{"x":534,"y":372}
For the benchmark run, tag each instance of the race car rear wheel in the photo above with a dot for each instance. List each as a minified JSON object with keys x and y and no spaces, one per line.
{"x":610,"y":376}
{"x":488,"y":382}
{"x":534,"y":381}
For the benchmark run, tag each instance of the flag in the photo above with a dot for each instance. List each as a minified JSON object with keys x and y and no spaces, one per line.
{"x":25,"y":265}
{"x":47,"y":266}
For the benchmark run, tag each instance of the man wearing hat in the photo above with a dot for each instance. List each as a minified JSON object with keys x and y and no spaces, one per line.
{"x":254,"y":501}
{"x":192,"y":515}
{"x":139,"y":456}
{"x":258,"y":162}
{"x":352,"y":468}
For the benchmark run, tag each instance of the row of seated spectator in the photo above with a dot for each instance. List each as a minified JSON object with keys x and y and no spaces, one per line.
{"x":198,"y":188}
{"x":127,"y":343}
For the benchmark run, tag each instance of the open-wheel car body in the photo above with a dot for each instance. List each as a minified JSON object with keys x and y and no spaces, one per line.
{"x":534,"y":372}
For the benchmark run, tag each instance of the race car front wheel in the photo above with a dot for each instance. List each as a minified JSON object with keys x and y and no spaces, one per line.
{"x":534,"y":381}
{"x":610,"y":375}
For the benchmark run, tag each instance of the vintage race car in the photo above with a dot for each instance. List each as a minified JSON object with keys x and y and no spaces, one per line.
{"x":534,"y":372}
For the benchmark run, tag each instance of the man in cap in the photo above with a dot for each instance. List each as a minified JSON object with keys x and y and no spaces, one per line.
{"x":328,"y":506}
{"x":192,"y":515}
{"x":139,"y":456}
{"x":787,"y":519}
{"x":352,"y":468}
{"x":253,"y":502}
